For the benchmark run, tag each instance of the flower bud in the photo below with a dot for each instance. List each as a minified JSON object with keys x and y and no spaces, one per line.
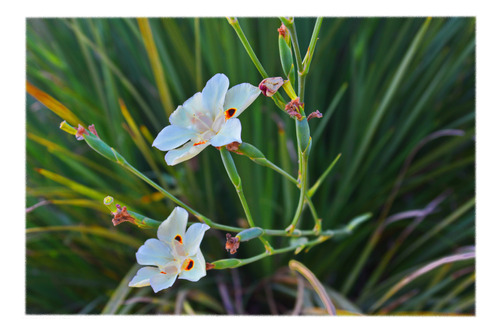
{"x":250,"y":233}
{"x":226,"y":263}
{"x":230,"y":166}
{"x":80,"y":132}
{"x":270,"y":86}
{"x":284,"y":33}
{"x":232,"y":243}
{"x":286,"y":57}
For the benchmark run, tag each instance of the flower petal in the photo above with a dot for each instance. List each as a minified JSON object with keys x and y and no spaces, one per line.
{"x":143,"y":276}
{"x":193,"y":238}
{"x":162,"y":281}
{"x":183,"y":153}
{"x":183,"y":115}
{"x":230,"y":132}
{"x":174,"y":225}
{"x":172,"y":136}
{"x":154,"y":252}
{"x":214,"y":93}
{"x":240,"y":97}
{"x":198,"y":271}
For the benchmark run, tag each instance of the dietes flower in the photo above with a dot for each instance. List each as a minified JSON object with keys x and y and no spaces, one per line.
{"x":176,"y":253}
{"x":207,"y":118}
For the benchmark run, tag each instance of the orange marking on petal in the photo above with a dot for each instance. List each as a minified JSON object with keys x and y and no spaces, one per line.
{"x":162,"y":272}
{"x":178,"y":238}
{"x":230,"y":113}
{"x":189,"y":264}
{"x":200,"y":143}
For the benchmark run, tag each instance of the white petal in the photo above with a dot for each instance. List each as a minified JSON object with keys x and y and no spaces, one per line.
{"x":154,"y":252}
{"x":240,"y":97}
{"x":198,"y":271}
{"x":230,"y":131}
{"x":162,"y":281}
{"x":174,"y":225}
{"x":143,"y":277}
{"x":183,"y":153}
{"x":193,"y":238}
{"x":214,"y":93}
{"x":172,"y":136}
{"x":182,"y":116}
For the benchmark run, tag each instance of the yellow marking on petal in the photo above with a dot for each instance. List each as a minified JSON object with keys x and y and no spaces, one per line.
{"x":230,"y":113}
{"x":188,"y":265}
{"x":178,"y":238}
{"x":200,"y":143}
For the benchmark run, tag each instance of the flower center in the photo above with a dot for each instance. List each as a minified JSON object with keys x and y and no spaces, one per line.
{"x":201,"y":122}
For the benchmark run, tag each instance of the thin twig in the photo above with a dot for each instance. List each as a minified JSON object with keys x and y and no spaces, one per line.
{"x":179,"y":301}
{"x":39,"y":204}
{"x":226,"y":300}
{"x":300,"y":296}
{"x":238,"y":293}
{"x":270,"y":298}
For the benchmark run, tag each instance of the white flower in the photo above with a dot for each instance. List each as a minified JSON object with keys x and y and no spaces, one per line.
{"x":207,"y":118}
{"x":176,"y":253}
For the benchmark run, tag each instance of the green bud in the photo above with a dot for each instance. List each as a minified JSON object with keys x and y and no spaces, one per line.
{"x":226,"y":263}
{"x":254,"y":154}
{"x":303,"y":134}
{"x":108,"y":200}
{"x":286,"y":57}
{"x":228,"y":161}
{"x":250,"y":151}
{"x":100,"y":147}
{"x":250,"y":233}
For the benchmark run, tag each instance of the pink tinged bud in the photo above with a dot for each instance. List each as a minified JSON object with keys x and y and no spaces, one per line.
{"x":293,"y":108}
{"x":80,"y":132}
{"x":234,"y":147}
{"x":121,"y":215}
{"x":93,"y":130}
{"x":283,"y":31}
{"x":270,"y":86}
{"x":314,"y":114}
{"x":232,"y":243}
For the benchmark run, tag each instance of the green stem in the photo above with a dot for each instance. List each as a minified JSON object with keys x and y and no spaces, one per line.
{"x":312,"y":45}
{"x":303,"y":191}
{"x":235,"y":263}
{"x":277,"y":98}
{"x":230,"y":167}
{"x":260,"y":159}
{"x":290,"y":24}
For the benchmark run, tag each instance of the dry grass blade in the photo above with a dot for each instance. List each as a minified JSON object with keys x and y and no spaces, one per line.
{"x":316,"y":284}
{"x":300,"y":296}
{"x":154,"y":58}
{"x":407,"y":279}
{"x":57,"y":107}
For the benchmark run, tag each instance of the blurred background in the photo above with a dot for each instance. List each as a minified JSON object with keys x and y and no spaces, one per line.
{"x":400,"y":109}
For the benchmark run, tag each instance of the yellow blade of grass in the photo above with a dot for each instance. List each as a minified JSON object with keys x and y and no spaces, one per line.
{"x":73,"y":202}
{"x":79,"y":188}
{"x":138,"y":139}
{"x":96,"y":230}
{"x":57,"y":107}
{"x":149,"y":43}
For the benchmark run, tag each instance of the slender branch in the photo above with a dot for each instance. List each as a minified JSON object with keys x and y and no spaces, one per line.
{"x":277,"y":98}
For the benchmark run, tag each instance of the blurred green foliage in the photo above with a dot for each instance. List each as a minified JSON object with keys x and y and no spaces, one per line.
{"x":405,"y":131}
